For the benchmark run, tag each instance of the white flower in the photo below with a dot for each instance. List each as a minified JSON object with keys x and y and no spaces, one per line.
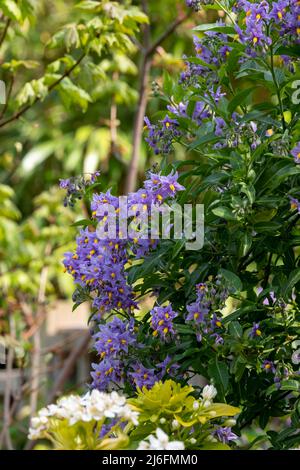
{"x":196,"y":405}
{"x":160,"y":442}
{"x":209,"y":392}
{"x":129,"y":415}
{"x":175,"y":424}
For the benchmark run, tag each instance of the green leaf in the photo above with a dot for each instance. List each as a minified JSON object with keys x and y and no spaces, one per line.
{"x":215,"y":446}
{"x":240,"y":99}
{"x":215,"y":27}
{"x":293,"y":279}
{"x":224,"y":212}
{"x":11,"y":10}
{"x":72,"y":94}
{"x":232,"y":279}
{"x":167,"y":84}
{"x":262,"y":227}
{"x":235,"y":329}
{"x":219,"y":372}
{"x":208,"y":138}
{"x":292,"y":385}
{"x":88,"y":5}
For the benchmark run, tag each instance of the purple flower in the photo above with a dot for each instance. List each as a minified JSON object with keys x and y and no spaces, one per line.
{"x":201,"y":314}
{"x":225,"y":435}
{"x":64,"y":184}
{"x":255,"y":331}
{"x":268,"y":366}
{"x":166,"y":368}
{"x":162,"y":321}
{"x":161,"y":135}
{"x":220,"y":125}
{"x":143,"y":377}
{"x":278,"y":11}
{"x":296,"y":153}
{"x":114,"y":338}
{"x":105,"y":373}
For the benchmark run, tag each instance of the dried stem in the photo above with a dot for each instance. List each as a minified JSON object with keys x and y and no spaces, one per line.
{"x":36,"y":355}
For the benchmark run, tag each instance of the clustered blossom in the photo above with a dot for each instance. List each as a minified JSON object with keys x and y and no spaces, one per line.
{"x":142,"y":376}
{"x":75,"y":187}
{"x":94,"y":406}
{"x":160,"y":441}
{"x":98,"y":269}
{"x":112,"y":343}
{"x":202,"y":313}
{"x":212,"y":49}
{"x":161,"y":135}
{"x":264,"y":19}
{"x":162,"y":321}
{"x":98,"y":264}
{"x":209,"y":392}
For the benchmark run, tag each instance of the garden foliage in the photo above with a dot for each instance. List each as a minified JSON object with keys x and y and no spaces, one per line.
{"x":230,"y":311}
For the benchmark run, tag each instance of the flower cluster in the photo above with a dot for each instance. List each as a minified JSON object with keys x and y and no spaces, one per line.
{"x":264,"y":19}
{"x":76,"y":186}
{"x":161,"y":135}
{"x":98,"y":264}
{"x":162,"y":321}
{"x":112,"y":343}
{"x":211,"y":51}
{"x":142,"y":376}
{"x":196,"y":4}
{"x":160,"y":442}
{"x":94,"y":407}
{"x":202,"y":313}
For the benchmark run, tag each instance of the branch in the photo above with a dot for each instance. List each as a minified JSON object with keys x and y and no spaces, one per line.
{"x":18,"y":114}
{"x":145,"y":67}
{"x":36,"y":355}
{"x":8,"y":21}
{"x":166,"y":34}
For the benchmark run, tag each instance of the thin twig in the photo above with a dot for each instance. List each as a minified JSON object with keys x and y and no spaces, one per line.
{"x":113,"y":123}
{"x":145,"y":67}
{"x":36,"y":355}
{"x":20,"y":113}
{"x":8,"y":21}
